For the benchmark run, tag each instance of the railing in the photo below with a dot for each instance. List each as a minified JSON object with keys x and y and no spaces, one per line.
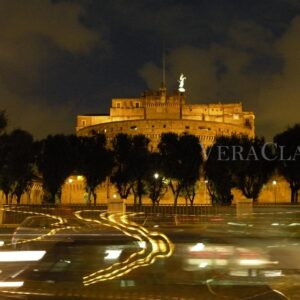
{"x":199,"y":210}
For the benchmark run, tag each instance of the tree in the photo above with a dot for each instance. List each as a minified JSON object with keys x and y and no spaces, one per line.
{"x":17,"y":163}
{"x":139,"y":164}
{"x":252,"y":170}
{"x":238,"y":161}
{"x":95,"y":162}
{"x":56,"y":161}
{"x":122,"y":173}
{"x":170,"y":153}
{"x":288,"y":148}
{"x":20,"y":162}
{"x":182,"y":158}
{"x":5,"y":179}
{"x":3,"y":120}
{"x":156,"y":186}
{"x":192,"y":159}
{"x":218,"y":171}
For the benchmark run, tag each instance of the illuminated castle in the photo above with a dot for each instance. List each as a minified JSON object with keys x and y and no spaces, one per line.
{"x":157,"y":112}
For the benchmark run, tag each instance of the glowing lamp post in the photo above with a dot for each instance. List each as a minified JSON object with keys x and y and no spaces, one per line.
{"x":70,"y":181}
{"x":205,"y":191}
{"x":274,"y":183}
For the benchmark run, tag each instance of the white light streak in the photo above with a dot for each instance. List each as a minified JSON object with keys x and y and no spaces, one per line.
{"x":14,"y":256}
{"x":11,"y":284}
{"x":252,"y":262}
{"x":112,"y":254}
{"x":197,"y":247}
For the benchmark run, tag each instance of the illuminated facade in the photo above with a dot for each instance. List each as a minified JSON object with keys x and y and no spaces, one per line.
{"x":157,"y":112}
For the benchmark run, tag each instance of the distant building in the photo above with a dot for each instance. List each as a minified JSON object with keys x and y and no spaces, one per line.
{"x":157,"y":112}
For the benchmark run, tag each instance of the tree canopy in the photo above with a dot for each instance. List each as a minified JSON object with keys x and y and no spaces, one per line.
{"x":95,"y":162}
{"x":288,"y":153}
{"x":3,"y":120}
{"x":17,"y":159}
{"x":56,"y":161}
{"x":182,"y":158}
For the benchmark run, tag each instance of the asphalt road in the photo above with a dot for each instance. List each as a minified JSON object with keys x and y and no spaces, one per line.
{"x":216,"y":258}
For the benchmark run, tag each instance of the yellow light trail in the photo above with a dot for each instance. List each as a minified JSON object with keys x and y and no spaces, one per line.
{"x":60,"y":222}
{"x":158,"y":246}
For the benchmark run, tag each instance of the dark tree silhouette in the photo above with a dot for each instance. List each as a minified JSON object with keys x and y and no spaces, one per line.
{"x":218,"y":174}
{"x":20,"y":161}
{"x":182,"y":158}
{"x":289,"y":159}
{"x":56,"y":161}
{"x":192,"y":159}
{"x":95,"y":162}
{"x":3,"y":120}
{"x":131,"y":163}
{"x":5,"y":185}
{"x":17,"y":167}
{"x":238,"y":161}
{"x":122,"y":173}
{"x":170,"y":152}
{"x":5,"y":178}
{"x":139,"y":157}
{"x":156,"y":186}
{"x":254,"y":169}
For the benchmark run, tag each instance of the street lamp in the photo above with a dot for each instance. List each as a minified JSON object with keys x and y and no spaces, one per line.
{"x":156,"y":175}
{"x":205,"y":191}
{"x":70,"y":181}
{"x":274,"y":183}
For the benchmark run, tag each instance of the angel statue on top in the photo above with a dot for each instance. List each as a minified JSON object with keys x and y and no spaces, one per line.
{"x":181,"y":80}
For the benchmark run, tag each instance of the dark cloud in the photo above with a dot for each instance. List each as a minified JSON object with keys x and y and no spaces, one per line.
{"x":65,"y":57}
{"x":33,"y":35}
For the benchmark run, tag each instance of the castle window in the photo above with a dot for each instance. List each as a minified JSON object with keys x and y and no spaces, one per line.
{"x":118,"y":104}
{"x":133,"y":127}
{"x":83,"y":123}
{"x":164,"y":126}
{"x":137,"y":105}
{"x":187,"y":127}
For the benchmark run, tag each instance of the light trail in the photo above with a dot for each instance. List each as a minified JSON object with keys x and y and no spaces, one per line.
{"x":158,"y":246}
{"x":14,"y":256}
{"x":60,"y":221}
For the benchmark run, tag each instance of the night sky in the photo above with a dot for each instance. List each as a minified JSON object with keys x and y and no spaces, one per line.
{"x":63,"y":58}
